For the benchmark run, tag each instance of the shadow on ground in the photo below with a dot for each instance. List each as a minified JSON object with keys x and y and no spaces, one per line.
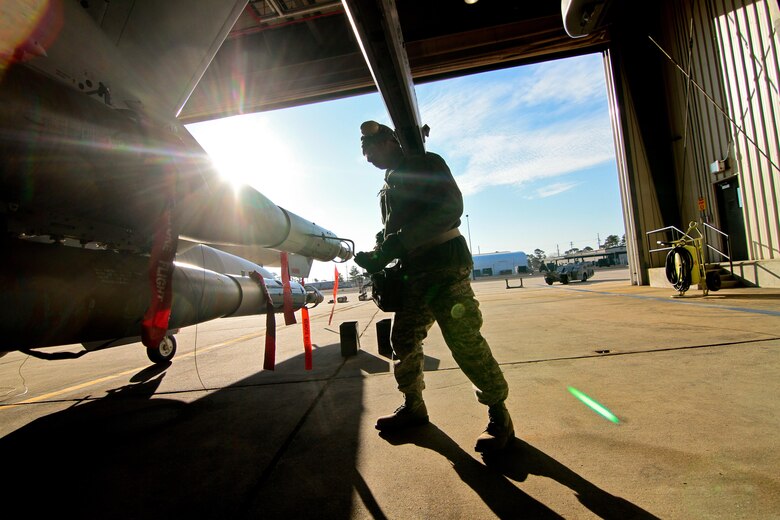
{"x":134,"y":454}
{"x":491,"y":480}
{"x":270,"y":446}
{"x":521,"y":459}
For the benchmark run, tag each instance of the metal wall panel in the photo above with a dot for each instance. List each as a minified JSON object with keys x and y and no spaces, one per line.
{"x":724,"y":96}
{"x":630,"y":211}
{"x":698,"y":126}
{"x":641,"y":208}
{"x":720,"y":80}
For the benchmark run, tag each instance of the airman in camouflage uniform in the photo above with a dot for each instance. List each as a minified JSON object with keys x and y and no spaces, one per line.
{"x":421,"y":207}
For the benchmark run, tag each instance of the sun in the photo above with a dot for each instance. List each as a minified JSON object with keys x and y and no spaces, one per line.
{"x":246,"y":151}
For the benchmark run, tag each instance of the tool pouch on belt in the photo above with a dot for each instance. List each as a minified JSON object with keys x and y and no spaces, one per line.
{"x":387,"y":287}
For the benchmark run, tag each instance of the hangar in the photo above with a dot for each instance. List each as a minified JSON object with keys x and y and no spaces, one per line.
{"x":500,"y":263}
{"x":693,"y":89}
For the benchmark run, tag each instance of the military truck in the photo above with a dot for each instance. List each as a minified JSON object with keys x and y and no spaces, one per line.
{"x":568,"y":272}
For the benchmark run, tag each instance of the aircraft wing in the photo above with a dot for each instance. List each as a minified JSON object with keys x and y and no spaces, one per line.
{"x":98,"y":165}
{"x":92,"y":156}
{"x":147,"y":54}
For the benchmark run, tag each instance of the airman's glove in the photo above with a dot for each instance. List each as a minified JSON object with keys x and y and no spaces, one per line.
{"x":371,"y":261}
{"x":392,"y":247}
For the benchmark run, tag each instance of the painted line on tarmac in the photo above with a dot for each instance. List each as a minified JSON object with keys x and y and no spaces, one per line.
{"x":93,"y":382}
{"x":668,"y":300}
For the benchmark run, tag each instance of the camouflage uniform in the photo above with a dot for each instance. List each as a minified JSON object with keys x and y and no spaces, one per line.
{"x":420,"y":202}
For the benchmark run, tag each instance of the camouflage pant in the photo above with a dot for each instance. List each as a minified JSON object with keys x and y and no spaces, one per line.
{"x":445,"y":296}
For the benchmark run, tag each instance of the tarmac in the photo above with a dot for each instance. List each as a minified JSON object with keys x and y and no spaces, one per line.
{"x":692,"y":381}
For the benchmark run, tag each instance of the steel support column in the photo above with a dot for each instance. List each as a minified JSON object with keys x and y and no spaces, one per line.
{"x":378,"y":31}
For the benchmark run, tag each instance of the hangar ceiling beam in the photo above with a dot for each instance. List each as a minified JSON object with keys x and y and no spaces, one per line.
{"x":378,"y":31}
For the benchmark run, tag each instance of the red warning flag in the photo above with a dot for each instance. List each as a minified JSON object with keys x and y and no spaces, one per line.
{"x":287,"y":302}
{"x":306,"y":338}
{"x":335,"y":292}
{"x":154,"y":325}
{"x":269,"y":361}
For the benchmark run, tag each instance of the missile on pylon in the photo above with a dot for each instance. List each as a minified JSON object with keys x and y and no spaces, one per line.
{"x":54,"y":294}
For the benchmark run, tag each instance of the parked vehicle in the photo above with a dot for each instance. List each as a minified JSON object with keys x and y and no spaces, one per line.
{"x":568,"y":272}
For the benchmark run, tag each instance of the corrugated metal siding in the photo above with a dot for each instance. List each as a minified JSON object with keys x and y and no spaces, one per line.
{"x":749,"y":54}
{"x":624,"y":182}
{"x":696,"y":99}
{"x":640,"y":201}
{"x":721,"y":82}
{"x":727,"y":109}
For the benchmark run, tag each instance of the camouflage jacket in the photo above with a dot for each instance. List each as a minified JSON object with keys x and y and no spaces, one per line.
{"x":420,"y":201}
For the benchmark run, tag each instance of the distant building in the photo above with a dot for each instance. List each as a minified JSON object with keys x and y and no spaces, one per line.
{"x":500,"y":263}
{"x":328,"y":284}
{"x":602,"y":257}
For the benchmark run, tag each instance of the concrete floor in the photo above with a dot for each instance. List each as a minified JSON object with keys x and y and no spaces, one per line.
{"x":694,"y":382}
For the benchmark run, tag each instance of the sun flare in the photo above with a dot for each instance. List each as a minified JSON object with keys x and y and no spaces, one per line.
{"x":246,"y":151}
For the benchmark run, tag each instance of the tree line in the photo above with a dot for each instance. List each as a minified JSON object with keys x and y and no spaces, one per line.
{"x":536,"y":260}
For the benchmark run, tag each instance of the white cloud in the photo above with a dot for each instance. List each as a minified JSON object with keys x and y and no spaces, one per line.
{"x":458,"y":111}
{"x":569,"y":82}
{"x":494,"y":159}
{"x":551,"y":120}
{"x":554,"y":189}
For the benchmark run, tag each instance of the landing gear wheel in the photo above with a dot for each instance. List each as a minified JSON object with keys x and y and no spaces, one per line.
{"x":584,"y":277}
{"x":549,"y":281}
{"x":564,"y":279}
{"x":164,"y":351}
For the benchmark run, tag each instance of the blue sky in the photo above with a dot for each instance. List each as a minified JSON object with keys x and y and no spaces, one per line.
{"x":531,"y":148}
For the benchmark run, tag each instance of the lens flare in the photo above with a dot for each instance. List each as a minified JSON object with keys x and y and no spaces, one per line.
{"x":27,"y":28}
{"x":594,"y":405}
{"x":457,"y":311}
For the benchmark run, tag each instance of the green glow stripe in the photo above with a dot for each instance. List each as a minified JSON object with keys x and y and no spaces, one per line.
{"x":593,"y":405}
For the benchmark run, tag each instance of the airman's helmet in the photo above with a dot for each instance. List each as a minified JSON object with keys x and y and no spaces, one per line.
{"x":373,"y":132}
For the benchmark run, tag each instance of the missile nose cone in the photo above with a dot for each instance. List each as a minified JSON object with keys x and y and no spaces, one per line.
{"x":313,"y":296}
{"x":35,"y":48}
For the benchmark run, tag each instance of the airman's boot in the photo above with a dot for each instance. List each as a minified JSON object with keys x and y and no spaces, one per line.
{"x":499,"y":430}
{"x":411,"y":413}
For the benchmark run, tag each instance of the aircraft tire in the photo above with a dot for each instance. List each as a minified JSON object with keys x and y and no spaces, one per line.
{"x":564,"y":279}
{"x":549,"y":281}
{"x":164,"y":351}
{"x":584,"y":277}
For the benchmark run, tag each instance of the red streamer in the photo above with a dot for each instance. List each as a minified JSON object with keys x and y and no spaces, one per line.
{"x":335,"y":292}
{"x":269,"y":360}
{"x":154,"y":325}
{"x":306,"y":338}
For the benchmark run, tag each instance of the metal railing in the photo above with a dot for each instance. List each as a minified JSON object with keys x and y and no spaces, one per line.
{"x":708,"y":227}
{"x":677,"y":234}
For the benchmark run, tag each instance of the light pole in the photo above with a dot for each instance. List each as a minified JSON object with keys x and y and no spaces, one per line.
{"x":468,"y":226}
